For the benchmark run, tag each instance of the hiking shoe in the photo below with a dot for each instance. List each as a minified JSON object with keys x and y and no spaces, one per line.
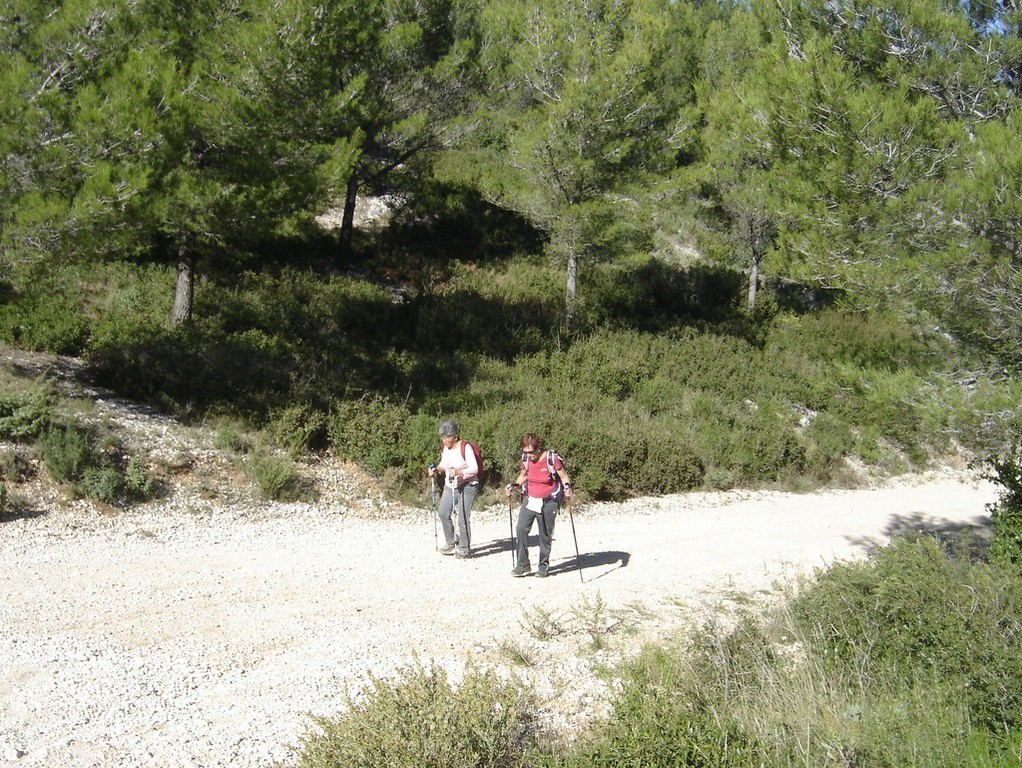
{"x":462,"y":555}
{"x":541,"y":572}
{"x":447,"y":549}
{"x":521,"y":570}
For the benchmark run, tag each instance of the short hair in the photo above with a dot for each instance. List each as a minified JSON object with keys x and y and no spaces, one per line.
{"x":449,"y":428}
{"x":531,"y":440}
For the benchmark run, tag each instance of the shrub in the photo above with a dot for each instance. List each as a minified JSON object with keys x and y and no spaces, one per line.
{"x":1006,"y":512}
{"x":913,"y":610}
{"x":104,"y":484}
{"x":420,"y":720}
{"x":67,"y":452}
{"x":368,"y":431}
{"x":661,"y":718}
{"x":26,"y":413}
{"x":276,"y":476}
{"x":868,"y":340}
{"x":71,"y":456}
{"x":298,"y":428}
{"x":139,"y":485}
{"x":50,"y":320}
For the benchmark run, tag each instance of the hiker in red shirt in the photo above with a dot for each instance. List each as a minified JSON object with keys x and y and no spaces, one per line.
{"x":544,"y":483}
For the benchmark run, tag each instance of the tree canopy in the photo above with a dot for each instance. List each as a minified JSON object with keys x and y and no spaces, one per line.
{"x":858,"y":146}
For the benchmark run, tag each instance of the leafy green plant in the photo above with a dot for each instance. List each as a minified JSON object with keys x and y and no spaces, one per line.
{"x":25,"y":413}
{"x":104,"y":484}
{"x":47,"y":318}
{"x":139,"y":485}
{"x":298,"y":428}
{"x":68,"y":452}
{"x":914,"y":610}
{"x":368,"y":431}
{"x":419,"y":719}
{"x":1006,"y":512}
{"x":276,"y":476}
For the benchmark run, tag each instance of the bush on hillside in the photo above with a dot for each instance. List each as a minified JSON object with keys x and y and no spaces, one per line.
{"x":369,"y":432}
{"x":50,"y":320}
{"x":73,"y":454}
{"x":25,"y":414}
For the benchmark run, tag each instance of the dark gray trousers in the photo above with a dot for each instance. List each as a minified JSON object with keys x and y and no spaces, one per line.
{"x":546,"y":520}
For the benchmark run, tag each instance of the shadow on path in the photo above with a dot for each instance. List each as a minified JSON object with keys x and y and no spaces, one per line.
{"x":586,"y":560}
{"x":964,"y":539}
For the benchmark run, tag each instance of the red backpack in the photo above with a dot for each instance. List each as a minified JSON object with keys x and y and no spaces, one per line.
{"x":479,"y":458}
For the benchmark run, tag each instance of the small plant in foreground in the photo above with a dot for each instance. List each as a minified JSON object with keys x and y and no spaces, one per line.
{"x":68,"y":452}
{"x":596,"y":620}
{"x":517,"y":652}
{"x":541,"y":623}
{"x":420,"y":720}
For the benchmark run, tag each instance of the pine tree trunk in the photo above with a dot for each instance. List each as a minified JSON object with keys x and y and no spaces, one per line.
{"x":572,"y":287}
{"x":348,"y":220}
{"x":753,"y":281}
{"x":184,"y":289}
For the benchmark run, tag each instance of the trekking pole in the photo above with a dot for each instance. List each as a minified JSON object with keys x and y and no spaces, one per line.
{"x":578,"y":557}
{"x":432,"y":498}
{"x":464,"y":523}
{"x":511,"y":525}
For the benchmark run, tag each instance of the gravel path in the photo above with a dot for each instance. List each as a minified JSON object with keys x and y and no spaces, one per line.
{"x":203,"y":635}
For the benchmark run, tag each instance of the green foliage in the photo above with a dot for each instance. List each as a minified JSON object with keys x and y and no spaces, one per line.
{"x":25,"y":413}
{"x":871,"y":341}
{"x":74,"y":454}
{"x":909,"y":659}
{"x":368,"y":432}
{"x":68,"y":452}
{"x":1006,"y":512}
{"x":298,"y":428}
{"x":104,"y":484}
{"x":137,"y":483}
{"x":661,"y":718}
{"x":52,"y":321}
{"x":913,"y":610}
{"x":704,"y":396}
{"x":420,"y":719}
{"x":276,"y":476}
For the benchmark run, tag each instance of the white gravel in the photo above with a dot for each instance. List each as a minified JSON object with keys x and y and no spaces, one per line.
{"x":168,"y":637}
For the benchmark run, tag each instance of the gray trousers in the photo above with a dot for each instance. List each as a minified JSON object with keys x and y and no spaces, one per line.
{"x":546,"y":520}
{"x":457,"y":505}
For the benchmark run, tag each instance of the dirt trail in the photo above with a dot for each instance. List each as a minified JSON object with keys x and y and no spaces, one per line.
{"x":202,"y":638}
